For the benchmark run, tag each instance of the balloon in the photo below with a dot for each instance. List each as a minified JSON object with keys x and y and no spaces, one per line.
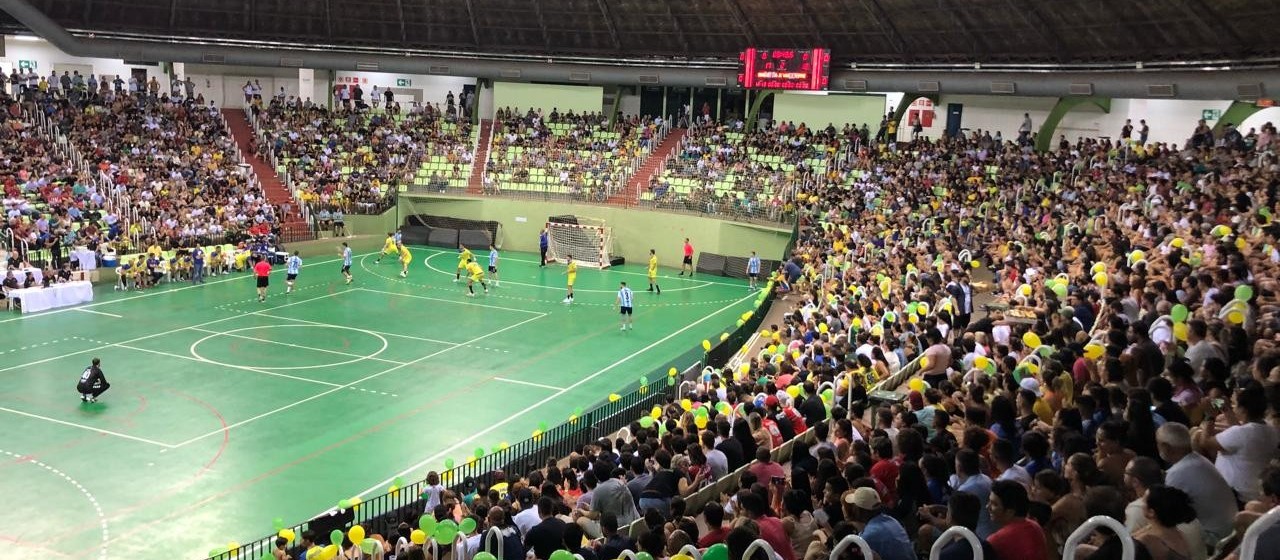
{"x":795,"y":355}
{"x":614,"y":397}
{"x":287,"y":534}
{"x":367,"y":546}
{"x":924,"y":362}
{"x":427,"y":523}
{"x":747,"y":316}
{"x":566,"y":555}
{"x":1177,"y":243}
{"x":479,"y":452}
{"x":448,"y":464}
{"x":336,"y":536}
{"x":724,"y":336}
{"x":1094,"y":351}
{"x":646,"y":422}
{"x":706,"y":345}
{"x":1179,"y":313}
{"x":1244,"y":292}
{"x":1060,"y":291}
{"x":686,"y":404}
{"x":344,"y":504}
{"x":981,"y":362}
{"x":913,"y":319}
{"x":890,"y":317}
{"x":745,"y":368}
{"x":700,"y":422}
{"x":484,"y":556}
{"x":655,"y":413}
{"x":356,"y":534}
{"x":1100,"y":279}
{"x":672,"y":372}
{"x":718,"y":551}
{"x":311,"y":553}
{"x":827,"y":395}
{"x":974,"y":263}
{"x":1024,"y":290}
{"x":329,"y":553}
{"x":857,"y":323}
{"x":741,"y":322}
{"x":277,"y":523}
{"x":916,"y":384}
{"x":681,"y":557}
{"x":773,"y":349}
{"x":418,"y":536}
{"x":640,"y":556}
{"x":1032,"y":340}
{"x":764,"y":333}
{"x":445,"y":532}
{"x":1235,"y":317}
{"x":794,"y":391}
{"x":1180,"y":331}
{"x":823,"y":328}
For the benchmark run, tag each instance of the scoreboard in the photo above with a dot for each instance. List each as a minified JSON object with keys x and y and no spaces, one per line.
{"x":793,"y":69}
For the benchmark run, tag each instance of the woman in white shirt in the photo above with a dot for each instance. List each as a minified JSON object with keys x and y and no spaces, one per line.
{"x":1245,"y":448}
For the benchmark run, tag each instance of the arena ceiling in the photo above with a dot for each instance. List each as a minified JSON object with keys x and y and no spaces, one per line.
{"x":856,"y":31}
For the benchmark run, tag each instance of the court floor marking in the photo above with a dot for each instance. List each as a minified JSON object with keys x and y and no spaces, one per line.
{"x":383,"y":333}
{"x":83,"y":310}
{"x":97,"y":508}
{"x":152,"y":293}
{"x":365,"y":378}
{"x":244,"y":368}
{"x":529,"y":383}
{"x":452,"y":301}
{"x":519,"y":414}
{"x":427,"y":261}
{"x":298,"y":346}
{"x":89,"y":428}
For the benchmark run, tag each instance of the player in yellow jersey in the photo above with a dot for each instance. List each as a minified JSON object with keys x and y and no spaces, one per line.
{"x":405,"y":258}
{"x":464,"y":257}
{"x":653,"y":272}
{"x":572,"y":271}
{"x":388,"y":248}
{"x":475,"y":274}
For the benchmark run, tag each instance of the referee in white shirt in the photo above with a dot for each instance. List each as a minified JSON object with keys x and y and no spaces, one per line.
{"x":624,"y":306}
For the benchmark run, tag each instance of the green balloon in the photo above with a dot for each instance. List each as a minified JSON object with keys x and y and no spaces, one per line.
{"x":671,"y":381}
{"x":484,"y":556}
{"x":448,"y":464}
{"x":267,"y":556}
{"x":566,"y":555}
{"x":427,"y":524}
{"x":1179,"y":313}
{"x":335,"y":537}
{"x":741,"y":322}
{"x":479,"y":452}
{"x":1060,"y":291}
{"x":444,"y":533}
{"x":1244,"y":292}
{"x":367,"y":546}
{"x":542,"y":425}
{"x":701,"y":411}
{"x":644,"y":381}
{"x":577,"y":411}
{"x":646,"y":422}
{"x":277,"y":524}
{"x":718,"y":551}
{"x":218,"y":551}
{"x":467,"y":526}
{"x":344,"y":504}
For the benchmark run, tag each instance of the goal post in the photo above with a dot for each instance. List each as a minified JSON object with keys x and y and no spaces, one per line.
{"x":589,"y":241}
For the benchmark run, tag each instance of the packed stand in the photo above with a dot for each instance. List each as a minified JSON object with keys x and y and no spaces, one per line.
{"x":1127,"y":368}
{"x":577,"y":155}
{"x":719,"y":168}
{"x":352,"y":159}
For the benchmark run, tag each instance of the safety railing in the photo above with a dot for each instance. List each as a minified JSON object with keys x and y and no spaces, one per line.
{"x":952,"y":533}
{"x":1100,"y":521}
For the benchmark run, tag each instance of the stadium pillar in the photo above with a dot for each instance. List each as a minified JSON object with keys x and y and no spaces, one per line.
{"x":1235,"y":114}
{"x":1044,"y":138}
{"x":306,"y":83}
{"x":753,"y":114}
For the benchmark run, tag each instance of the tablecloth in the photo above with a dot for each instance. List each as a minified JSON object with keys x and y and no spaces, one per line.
{"x":21,"y":274}
{"x":57,"y":295}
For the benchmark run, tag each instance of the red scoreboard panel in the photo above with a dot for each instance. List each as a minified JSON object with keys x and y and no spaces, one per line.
{"x":784,"y":69}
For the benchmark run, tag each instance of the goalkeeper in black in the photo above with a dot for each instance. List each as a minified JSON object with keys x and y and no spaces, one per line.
{"x":92,"y":382}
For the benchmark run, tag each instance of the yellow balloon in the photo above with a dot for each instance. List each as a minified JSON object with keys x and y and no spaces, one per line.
{"x":1032,"y":340}
{"x":773,"y":348}
{"x":822,"y":328}
{"x":329,"y":553}
{"x":686,"y":404}
{"x":924,"y":361}
{"x":777,"y":337}
{"x":1101,"y":279}
{"x":656,"y":412}
{"x":922,"y":309}
{"x":974,"y":263}
{"x":1177,"y":243}
{"x":981,"y":362}
{"x":286,"y":534}
{"x":794,"y":391}
{"x":417,"y":536}
{"x":1098,"y":268}
{"x":1240,"y":243}
{"x":857,"y":322}
{"x":672,"y":372}
{"x":916,"y":384}
{"x":314,"y":553}
{"x":614,"y":397}
{"x":706,"y":345}
{"x":700,"y":422}
{"x":724,"y":336}
{"x":1025,"y":290}
{"x":764,"y":334}
{"x":1235,"y":317}
{"x":1179,"y":332}
{"x":1094,"y":351}
{"x":356,"y":534}
{"x":795,"y":354}
{"x":913,"y":319}
{"x":745,"y":368}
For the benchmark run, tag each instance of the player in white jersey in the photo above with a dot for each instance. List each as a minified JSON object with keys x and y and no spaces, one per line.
{"x":346,"y":261}
{"x":753,"y":269}
{"x":292,"y":266}
{"x":625,"y":302}
{"x":493,"y":264}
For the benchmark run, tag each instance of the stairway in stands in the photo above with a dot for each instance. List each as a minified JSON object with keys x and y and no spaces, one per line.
{"x":292,"y":225}
{"x":476,"y":184}
{"x":650,"y":168}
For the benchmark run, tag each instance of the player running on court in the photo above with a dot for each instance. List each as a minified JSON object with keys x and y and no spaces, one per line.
{"x":292,"y":266}
{"x":493,"y":265}
{"x":625,"y":298}
{"x":262,"y":270}
{"x":346,"y":261}
{"x":464,"y":257}
{"x":572,"y":271}
{"x":388,"y":248}
{"x":653,"y":272}
{"x":405,"y":258}
{"x":687,"y":263}
{"x":475,"y":274}
{"x":753,"y":270}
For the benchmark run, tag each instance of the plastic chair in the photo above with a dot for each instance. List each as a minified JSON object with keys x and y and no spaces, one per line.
{"x":1083,"y":531}
{"x":935,"y":552}
{"x":1249,"y":545}
{"x":860,"y":542}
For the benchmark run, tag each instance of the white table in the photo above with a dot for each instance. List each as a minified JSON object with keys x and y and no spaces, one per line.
{"x":56,"y":295}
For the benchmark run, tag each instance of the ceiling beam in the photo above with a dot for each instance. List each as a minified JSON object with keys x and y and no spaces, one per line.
{"x":247,"y":17}
{"x":1126,"y":22}
{"x":173,"y":13}
{"x":471,"y":17}
{"x":886,"y":25}
{"x":743,"y":24}
{"x":1037,"y":19}
{"x":328,"y":18}
{"x":960,"y":14}
{"x":1205,"y":16}
{"x":88,"y":12}
{"x":542,"y":24}
{"x":404,"y":33}
{"x":813,"y":24}
{"x":675,"y":22}
{"x":608,"y":23}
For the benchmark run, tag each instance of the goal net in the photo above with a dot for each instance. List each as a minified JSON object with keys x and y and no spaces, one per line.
{"x":589,"y":242}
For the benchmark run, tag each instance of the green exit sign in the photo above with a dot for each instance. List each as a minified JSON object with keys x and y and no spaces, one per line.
{"x":403,"y":82}
{"x":26,"y":65}
{"x":1211,"y":114}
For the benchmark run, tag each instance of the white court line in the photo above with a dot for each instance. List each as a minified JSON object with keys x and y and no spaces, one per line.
{"x":245,"y":368}
{"x":452,"y":301}
{"x":427,"y":262}
{"x":291,"y":345}
{"x":609,"y":271}
{"x":383,"y":333}
{"x":84,"y":427}
{"x":529,"y":383}
{"x":83,"y":310}
{"x":156,"y":293}
{"x":381,"y":486}
{"x":149,"y":336}
{"x":362,"y":379}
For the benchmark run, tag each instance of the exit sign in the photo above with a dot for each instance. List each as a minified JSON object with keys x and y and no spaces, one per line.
{"x":403,"y":82}
{"x":1211,"y":114}
{"x":26,"y":65}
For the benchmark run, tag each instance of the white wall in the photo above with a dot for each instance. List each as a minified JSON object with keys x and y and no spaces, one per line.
{"x":47,"y":57}
{"x":224,"y":84}
{"x":433,"y":89}
{"x":1268,"y":115}
{"x":630,"y":103}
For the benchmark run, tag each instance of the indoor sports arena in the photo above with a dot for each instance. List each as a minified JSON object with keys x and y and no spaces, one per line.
{"x":639,"y":280}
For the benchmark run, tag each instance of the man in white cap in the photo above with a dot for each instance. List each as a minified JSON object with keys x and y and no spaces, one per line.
{"x":884,"y":534}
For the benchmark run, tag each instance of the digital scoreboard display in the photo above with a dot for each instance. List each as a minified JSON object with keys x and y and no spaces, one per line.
{"x":793,"y":69}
